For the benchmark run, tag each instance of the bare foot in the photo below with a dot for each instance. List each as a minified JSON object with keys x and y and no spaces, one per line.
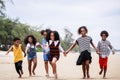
{"x":33,"y":72}
{"x":20,"y":76}
{"x":104,"y":77}
{"x":55,"y":76}
{"x":84,"y":77}
{"x":101,"y":72}
{"x":47,"y":75}
{"x":88,"y":76}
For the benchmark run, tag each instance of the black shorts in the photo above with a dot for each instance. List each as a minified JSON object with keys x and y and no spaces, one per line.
{"x":57,"y":56}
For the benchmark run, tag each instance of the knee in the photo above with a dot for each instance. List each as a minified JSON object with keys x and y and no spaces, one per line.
{"x":46,"y":62}
{"x":53,"y":63}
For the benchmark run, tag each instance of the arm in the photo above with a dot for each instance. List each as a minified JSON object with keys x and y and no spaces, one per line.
{"x":111,"y":47}
{"x":94,"y":47}
{"x":23,"y":51}
{"x":26,"y":49}
{"x":71,"y":47}
{"x":38,"y":45}
{"x":10,"y":49}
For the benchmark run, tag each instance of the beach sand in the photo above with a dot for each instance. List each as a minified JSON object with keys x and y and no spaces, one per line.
{"x":66,"y":66}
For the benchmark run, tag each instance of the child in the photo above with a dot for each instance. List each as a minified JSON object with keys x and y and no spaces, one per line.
{"x":31,"y":43}
{"x":84,"y":47}
{"x":104,"y":52}
{"x":55,"y":48}
{"x":18,"y":56}
{"x":46,"y":52}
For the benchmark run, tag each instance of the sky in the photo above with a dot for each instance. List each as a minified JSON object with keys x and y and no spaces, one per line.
{"x":96,"y":15}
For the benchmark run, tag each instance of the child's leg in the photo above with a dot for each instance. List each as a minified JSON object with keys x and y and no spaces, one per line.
{"x":20,"y":66}
{"x":101,"y":65}
{"x":46,"y":68}
{"x":17,"y":69}
{"x":34,"y":65}
{"x":83,"y":68}
{"x":29,"y":66}
{"x":105,"y":67}
{"x":54,"y":60}
{"x":87,"y":67}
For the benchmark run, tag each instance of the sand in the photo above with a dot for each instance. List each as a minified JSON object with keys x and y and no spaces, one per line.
{"x":66,"y":66}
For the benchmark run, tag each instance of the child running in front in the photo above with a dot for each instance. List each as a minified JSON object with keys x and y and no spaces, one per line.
{"x":31,"y":44}
{"x":46,"y":50}
{"x":55,"y":48}
{"x":85,"y":53}
{"x":18,"y":56}
{"x":103,"y":47}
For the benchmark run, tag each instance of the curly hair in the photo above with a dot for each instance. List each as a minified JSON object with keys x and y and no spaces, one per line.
{"x":84,"y":27}
{"x":56,"y":35}
{"x":33,"y":38}
{"x":42,"y":31}
{"x":104,"y":32}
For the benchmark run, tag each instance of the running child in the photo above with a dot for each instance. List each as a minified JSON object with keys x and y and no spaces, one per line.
{"x":84,"y":48}
{"x":31,"y":44}
{"x":18,"y":56}
{"x":46,"y":50}
{"x":55,"y":48}
{"x":104,"y":51}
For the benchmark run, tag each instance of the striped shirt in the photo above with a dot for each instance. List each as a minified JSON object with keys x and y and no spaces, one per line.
{"x":103,"y":47}
{"x":84,"y":43}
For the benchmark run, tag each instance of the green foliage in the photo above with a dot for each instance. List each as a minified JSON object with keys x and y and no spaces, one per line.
{"x":13,"y":28}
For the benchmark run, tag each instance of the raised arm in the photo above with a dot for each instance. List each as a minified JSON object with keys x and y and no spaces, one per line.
{"x":10,"y":49}
{"x":71,"y":47}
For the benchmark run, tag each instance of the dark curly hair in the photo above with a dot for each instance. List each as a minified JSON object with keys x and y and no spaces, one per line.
{"x":104,"y":32}
{"x":56,"y":34}
{"x":42,"y":31}
{"x":84,"y":27}
{"x":16,"y":38}
{"x":26,"y":39}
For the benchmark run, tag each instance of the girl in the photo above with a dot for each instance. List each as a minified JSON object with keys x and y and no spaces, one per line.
{"x":103,"y":47}
{"x":46,"y":53}
{"x":18,"y":56}
{"x":84,"y":47}
{"x":55,"y":48}
{"x":31,"y":43}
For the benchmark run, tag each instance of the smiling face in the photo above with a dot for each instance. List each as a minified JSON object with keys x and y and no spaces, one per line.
{"x":83,"y":32}
{"x":104,"y":37}
{"x":30,"y":39}
{"x":52,"y":37}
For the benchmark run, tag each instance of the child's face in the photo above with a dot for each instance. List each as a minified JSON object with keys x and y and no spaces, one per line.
{"x":30,"y":39}
{"x":83,"y":31}
{"x":44,"y":34}
{"x":52,"y":36}
{"x":16,"y":42}
{"x":103,"y":37}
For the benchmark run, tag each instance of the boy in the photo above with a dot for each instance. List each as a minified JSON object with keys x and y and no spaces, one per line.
{"x":103,"y":47}
{"x":18,"y":56}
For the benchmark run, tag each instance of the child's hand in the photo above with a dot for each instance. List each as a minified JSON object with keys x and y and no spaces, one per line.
{"x":65,"y":54}
{"x":97,"y":51}
{"x":6,"y":53}
{"x":113,"y":52}
{"x":24,"y":54}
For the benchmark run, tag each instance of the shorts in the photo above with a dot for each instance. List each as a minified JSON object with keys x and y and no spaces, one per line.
{"x":46,"y":56}
{"x":57,"y":56}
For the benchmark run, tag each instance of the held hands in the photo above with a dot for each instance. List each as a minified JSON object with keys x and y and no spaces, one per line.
{"x":113,"y":52}
{"x":65,"y":53}
{"x":24,"y":54}
{"x":97,"y":51}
